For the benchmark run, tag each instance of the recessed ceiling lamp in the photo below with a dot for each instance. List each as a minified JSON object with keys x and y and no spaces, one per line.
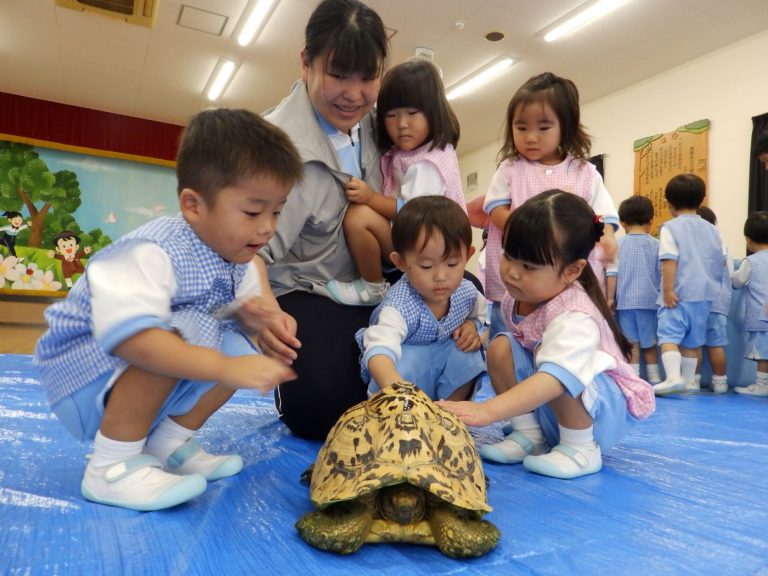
{"x":582,"y":16}
{"x":478,"y":78}
{"x":260,"y":11}
{"x":220,"y":78}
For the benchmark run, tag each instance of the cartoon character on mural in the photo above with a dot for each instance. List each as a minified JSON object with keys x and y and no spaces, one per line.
{"x":66,"y":251}
{"x":15,"y":225}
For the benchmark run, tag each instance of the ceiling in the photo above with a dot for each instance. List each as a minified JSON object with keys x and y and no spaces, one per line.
{"x":159,"y":73}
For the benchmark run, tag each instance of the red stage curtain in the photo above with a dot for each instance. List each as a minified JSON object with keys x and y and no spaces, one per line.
{"x":74,"y":126}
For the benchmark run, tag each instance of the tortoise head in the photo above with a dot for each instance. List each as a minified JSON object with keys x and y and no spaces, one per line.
{"x":402,"y":503}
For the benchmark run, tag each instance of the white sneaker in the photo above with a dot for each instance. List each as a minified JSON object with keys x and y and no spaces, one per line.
{"x":719,"y":387}
{"x":139,"y":483}
{"x":755,"y":389}
{"x":513,"y":449}
{"x":674,"y":386}
{"x":358,"y":292}
{"x":692,"y":387}
{"x":192,"y":459}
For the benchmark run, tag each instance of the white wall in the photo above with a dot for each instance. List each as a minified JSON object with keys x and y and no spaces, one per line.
{"x":727,"y":86}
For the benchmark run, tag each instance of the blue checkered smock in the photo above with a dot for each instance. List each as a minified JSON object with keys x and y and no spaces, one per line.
{"x":69,"y":357}
{"x":639,"y":276}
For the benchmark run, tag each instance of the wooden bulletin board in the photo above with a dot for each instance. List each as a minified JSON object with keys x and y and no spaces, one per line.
{"x":660,"y":157}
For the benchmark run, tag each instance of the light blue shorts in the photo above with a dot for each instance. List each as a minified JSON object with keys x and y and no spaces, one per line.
{"x":684,"y":325}
{"x":438,"y":369}
{"x":497,"y":321}
{"x":82,"y":412}
{"x":717,"y":330}
{"x":638,"y":325}
{"x":611,"y":420}
{"x":757,"y":345}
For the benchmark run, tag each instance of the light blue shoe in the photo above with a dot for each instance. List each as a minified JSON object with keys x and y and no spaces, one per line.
{"x":139,"y":483}
{"x":512,"y":450}
{"x":357,"y":292}
{"x":192,"y":459}
{"x":565,"y":462}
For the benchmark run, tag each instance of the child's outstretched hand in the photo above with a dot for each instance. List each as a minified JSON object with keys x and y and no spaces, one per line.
{"x":275,"y":329}
{"x":470,"y":413}
{"x":467,"y":338}
{"x":255,"y":371}
{"x":358,"y":191}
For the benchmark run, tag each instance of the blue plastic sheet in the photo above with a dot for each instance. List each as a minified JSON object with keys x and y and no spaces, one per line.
{"x":685,"y":493}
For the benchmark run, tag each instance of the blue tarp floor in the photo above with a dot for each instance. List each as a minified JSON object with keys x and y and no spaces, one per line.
{"x":685,"y":493}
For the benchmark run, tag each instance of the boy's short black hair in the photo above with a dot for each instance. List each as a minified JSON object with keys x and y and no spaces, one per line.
{"x":636,"y":210}
{"x":431,"y":214}
{"x":707,"y":214}
{"x":761,"y":144}
{"x":685,"y":192}
{"x":223,"y":147}
{"x":756,"y":227}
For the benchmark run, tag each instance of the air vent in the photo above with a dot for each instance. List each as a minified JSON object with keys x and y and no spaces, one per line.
{"x":141,"y":12}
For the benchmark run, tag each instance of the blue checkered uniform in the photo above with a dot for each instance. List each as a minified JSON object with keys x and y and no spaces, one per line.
{"x":700,"y":261}
{"x":756,"y":297}
{"x":68,"y":356}
{"x":639,"y":275}
{"x":422,"y":326}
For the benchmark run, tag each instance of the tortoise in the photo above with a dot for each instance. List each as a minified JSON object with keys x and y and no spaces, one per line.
{"x":398,"y":468}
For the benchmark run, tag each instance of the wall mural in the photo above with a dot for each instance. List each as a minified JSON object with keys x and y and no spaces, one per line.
{"x":660,"y":157}
{"x":58,"y":207}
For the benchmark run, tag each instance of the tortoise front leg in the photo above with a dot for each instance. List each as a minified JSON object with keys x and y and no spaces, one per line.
{"x":340,"y":528}
{"x":462,"y":533}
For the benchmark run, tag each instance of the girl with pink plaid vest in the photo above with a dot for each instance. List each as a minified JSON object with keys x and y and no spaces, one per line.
{"x":545,"y":147}
{"x":417,"y":133}
{"x":563,"y":384}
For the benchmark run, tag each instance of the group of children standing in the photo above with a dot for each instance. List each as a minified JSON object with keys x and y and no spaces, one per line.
{"x":675,"y":292}
{"x":565,"y":372}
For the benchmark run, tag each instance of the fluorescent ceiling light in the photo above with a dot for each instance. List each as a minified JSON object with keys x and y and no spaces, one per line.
{"x":222,"y":74}
{"x":582,"y":16}
{"x":477,"y":79}
{"x":260,"y":11}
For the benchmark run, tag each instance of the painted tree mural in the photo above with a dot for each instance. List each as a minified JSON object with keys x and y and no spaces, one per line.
{"x":50,"y":198}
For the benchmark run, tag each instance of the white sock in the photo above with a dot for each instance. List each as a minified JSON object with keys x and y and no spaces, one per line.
{"x":107,"y":451}
{"x":653,"y":372}
{"x":577,"y":438}
{"x":762,"y":379}
{"x":719,"y":379}
{"x":167,"y":437}
{"x":528,"y":425}
{"x":636,"y":369}
{"x":671,"y":362}
{"x":688,"y":368}
{"x":697,"y":379}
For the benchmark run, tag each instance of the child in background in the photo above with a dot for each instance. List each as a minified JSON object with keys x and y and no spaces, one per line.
{"x":692,"y":264}
{"x":717,"y":323}
{"x":418,"y":131}
{"x":426,"y":330}
{"x":753,"y":275}
{"x":545,"y":147}
{"x":635,"y":281}
{"x":140,"y":354}
{"x":560,"y":373}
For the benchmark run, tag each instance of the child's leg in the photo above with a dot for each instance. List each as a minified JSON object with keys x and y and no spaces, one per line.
{"x":634,"y":357}
{"x":760,"y":387}
{"x":690,"y":358}
{"x":651,"y":358}
{"x":507,"y":364}
{"x":369,"y":237}
{"x":671,"y":358}
{"x":577,"y":454}
{"x":173,"y":442}
{"x":118,"y":474}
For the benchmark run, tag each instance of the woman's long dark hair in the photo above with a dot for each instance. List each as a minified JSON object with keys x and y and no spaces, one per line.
{"x":559,"y":228}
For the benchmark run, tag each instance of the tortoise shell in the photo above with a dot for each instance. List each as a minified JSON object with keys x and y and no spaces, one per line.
{"x":399,"y":435}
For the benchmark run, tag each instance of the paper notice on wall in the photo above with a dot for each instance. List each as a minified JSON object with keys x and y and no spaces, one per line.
{"x":660,"y":157}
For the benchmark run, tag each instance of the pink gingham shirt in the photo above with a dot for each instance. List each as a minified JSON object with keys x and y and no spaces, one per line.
{"x":529,"y":332}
